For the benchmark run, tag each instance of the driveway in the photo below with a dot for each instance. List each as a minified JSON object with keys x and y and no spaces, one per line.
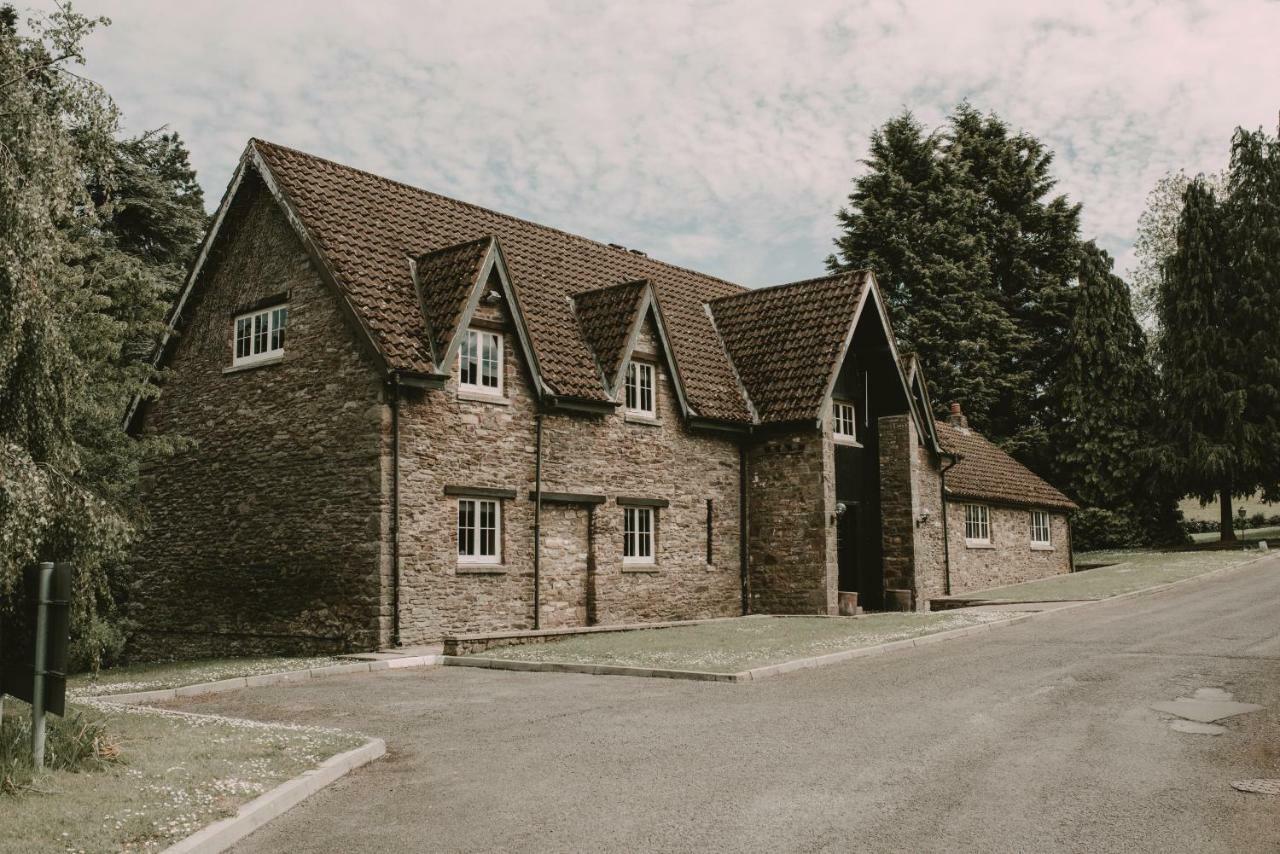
{"x":1037,"y":737}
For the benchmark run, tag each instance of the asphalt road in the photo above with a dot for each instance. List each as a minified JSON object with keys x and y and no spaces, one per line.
{"x":1037,"y":737}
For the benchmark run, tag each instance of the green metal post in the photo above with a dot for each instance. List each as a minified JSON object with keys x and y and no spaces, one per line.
{"x":42,"y":642}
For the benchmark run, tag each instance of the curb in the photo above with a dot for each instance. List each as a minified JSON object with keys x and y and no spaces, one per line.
{"x":769,"y":670}
{"x":751,"y":675}
{"x":162,"y":695}
{"x":224,"y":833}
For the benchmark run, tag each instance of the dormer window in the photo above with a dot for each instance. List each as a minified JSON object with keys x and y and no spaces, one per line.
{"x":259,"y":335}
{"x":480,"y":362}
{"x":844,"y":423}
{"x":640,"y":389}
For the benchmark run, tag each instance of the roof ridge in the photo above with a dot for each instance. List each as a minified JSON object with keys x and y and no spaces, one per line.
{"x":528,"y":222}
{"x":766,"y":288}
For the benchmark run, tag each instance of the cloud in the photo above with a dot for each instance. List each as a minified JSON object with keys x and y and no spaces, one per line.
{"x":719,"y":135}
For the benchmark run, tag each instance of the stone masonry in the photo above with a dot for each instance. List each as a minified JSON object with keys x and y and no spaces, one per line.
{"x":265,"y":532}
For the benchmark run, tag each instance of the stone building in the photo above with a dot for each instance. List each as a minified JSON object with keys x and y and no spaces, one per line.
{"x":410,"y":417}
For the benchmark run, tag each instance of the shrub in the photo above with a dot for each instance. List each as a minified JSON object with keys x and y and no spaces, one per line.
{"x":96,"y":643}
{"x":1258,"y":520}
{"x":1094,"y":528}
{"x":76,"y":742}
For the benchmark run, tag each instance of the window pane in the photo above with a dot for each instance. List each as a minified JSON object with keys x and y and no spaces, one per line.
{"x":243,"y":327}
{"x":489,"y":361}
{"x":260,"y":329}
{"x":279,"y":319}
{"x":632,"y":397}
{"x":466,"y":527}
{"x":467,"y":359}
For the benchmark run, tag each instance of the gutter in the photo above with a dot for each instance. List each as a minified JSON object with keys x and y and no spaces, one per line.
{"x":537,"y":519}
{"x":946,"y":529}
{"x":743,"y":522}
{"x":395,"y":510}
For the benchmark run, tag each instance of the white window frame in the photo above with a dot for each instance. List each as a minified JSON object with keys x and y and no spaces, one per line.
{"x":1047,"y":528}
{"x":476,"y":553}
{"x":636,"y":538}
{"x":844,"y":422}
{"x":635,"y":387}
{"x":264,"y":341}
{"x":977,"y":525}
{"x":472,"y":343}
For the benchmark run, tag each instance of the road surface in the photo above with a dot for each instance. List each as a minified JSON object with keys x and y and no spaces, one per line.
{"x":1037,"y":737}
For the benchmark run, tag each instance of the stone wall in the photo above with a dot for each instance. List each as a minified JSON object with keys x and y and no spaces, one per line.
{"x":264,"y":535}
{"x":451,"y":441}
{"x":1010,"y":558}
{"x":914,"y":553}
{"x":792,"y":536}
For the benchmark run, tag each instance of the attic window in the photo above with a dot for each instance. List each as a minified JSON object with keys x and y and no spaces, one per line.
{"x":259,"y":335}
{"x":844,"y":426}
{"x":480,"y":362}
{"x":640,"y":389}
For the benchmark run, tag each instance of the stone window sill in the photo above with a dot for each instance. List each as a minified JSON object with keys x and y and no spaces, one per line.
{"x":845,"y":440}
{"x":265,"y":363}
{"x":651,"y":568}
{"x":481,"y":569}
{"x":632,"y":418}
{"x":1041,"y":548}
{"x":481,"y":397}
{"x":971,"y":544}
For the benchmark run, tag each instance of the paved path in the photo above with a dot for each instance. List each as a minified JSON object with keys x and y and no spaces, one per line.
{"x":1038,"y":737}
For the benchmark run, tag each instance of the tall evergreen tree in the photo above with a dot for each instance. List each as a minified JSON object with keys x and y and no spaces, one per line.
{"x":1205,"y":389}
{"x":1106,"y":391}
{"x":908,"y":220}
{"x":1218,"y":307}
{"x":977,"y":259}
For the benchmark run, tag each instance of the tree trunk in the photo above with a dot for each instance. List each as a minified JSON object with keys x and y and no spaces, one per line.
{"x":1226,"y":522}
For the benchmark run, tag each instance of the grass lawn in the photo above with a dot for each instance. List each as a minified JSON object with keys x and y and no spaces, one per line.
{"x":176,"y":773}
{"x":175,"y":674}
{"x":1132,"y":570}
{"x":1210,"y":512}
{"x":1254,"y":534}
{"x":734,"y":645}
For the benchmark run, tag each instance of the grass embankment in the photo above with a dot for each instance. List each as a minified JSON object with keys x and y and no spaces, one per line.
{"x":169,"y":775}
{"x":734,"y":645}
{"x":174,"y":674}
{"x":1248,"y":535}
{"x":1127,"y":571}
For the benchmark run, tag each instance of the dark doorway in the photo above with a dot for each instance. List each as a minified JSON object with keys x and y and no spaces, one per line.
{"x":847,"y":544}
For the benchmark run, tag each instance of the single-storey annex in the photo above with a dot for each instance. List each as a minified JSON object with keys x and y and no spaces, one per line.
{"x":410,"y":417}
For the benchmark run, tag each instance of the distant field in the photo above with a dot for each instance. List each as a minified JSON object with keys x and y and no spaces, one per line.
{"x":1191,"y":508}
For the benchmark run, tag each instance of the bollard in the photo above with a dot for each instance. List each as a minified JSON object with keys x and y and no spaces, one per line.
{"x":37,"y":691}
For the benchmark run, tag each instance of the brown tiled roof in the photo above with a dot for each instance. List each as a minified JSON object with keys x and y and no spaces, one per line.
{"x":367,"y":227}
{"x":784,"y":341}
{"x":605,"y":317}
{"x":988,"y":473}
{"x":446,"y":278}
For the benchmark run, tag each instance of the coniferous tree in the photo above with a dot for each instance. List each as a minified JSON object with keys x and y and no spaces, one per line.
{"x":1205,"y":390}
{"x":1106,"y":392}
{"x":977,"y":260}
{"x":908,"y":219}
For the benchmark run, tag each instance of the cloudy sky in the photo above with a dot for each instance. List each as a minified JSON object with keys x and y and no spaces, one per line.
{"x":718,"y":135}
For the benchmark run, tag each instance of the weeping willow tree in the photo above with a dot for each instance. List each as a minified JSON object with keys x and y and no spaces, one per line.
{"x":94,"y":234}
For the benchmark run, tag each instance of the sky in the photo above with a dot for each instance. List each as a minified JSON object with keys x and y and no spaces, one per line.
{"x":721,"y":136}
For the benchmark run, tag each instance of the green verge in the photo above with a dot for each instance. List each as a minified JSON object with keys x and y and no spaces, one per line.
{"x":735,"y":645}
{"x":174,"y":774}
{"x":1128,"y":571}
{"x":175,"y":674}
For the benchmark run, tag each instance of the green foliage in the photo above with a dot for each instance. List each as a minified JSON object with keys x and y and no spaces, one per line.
{"x":1218,"y":307}
{"x":1108,"y":408}
{"x":94,"y":234}
{"x":977,"y":260}
{"x":77,"y":742}
{"x":1095,"y":528}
